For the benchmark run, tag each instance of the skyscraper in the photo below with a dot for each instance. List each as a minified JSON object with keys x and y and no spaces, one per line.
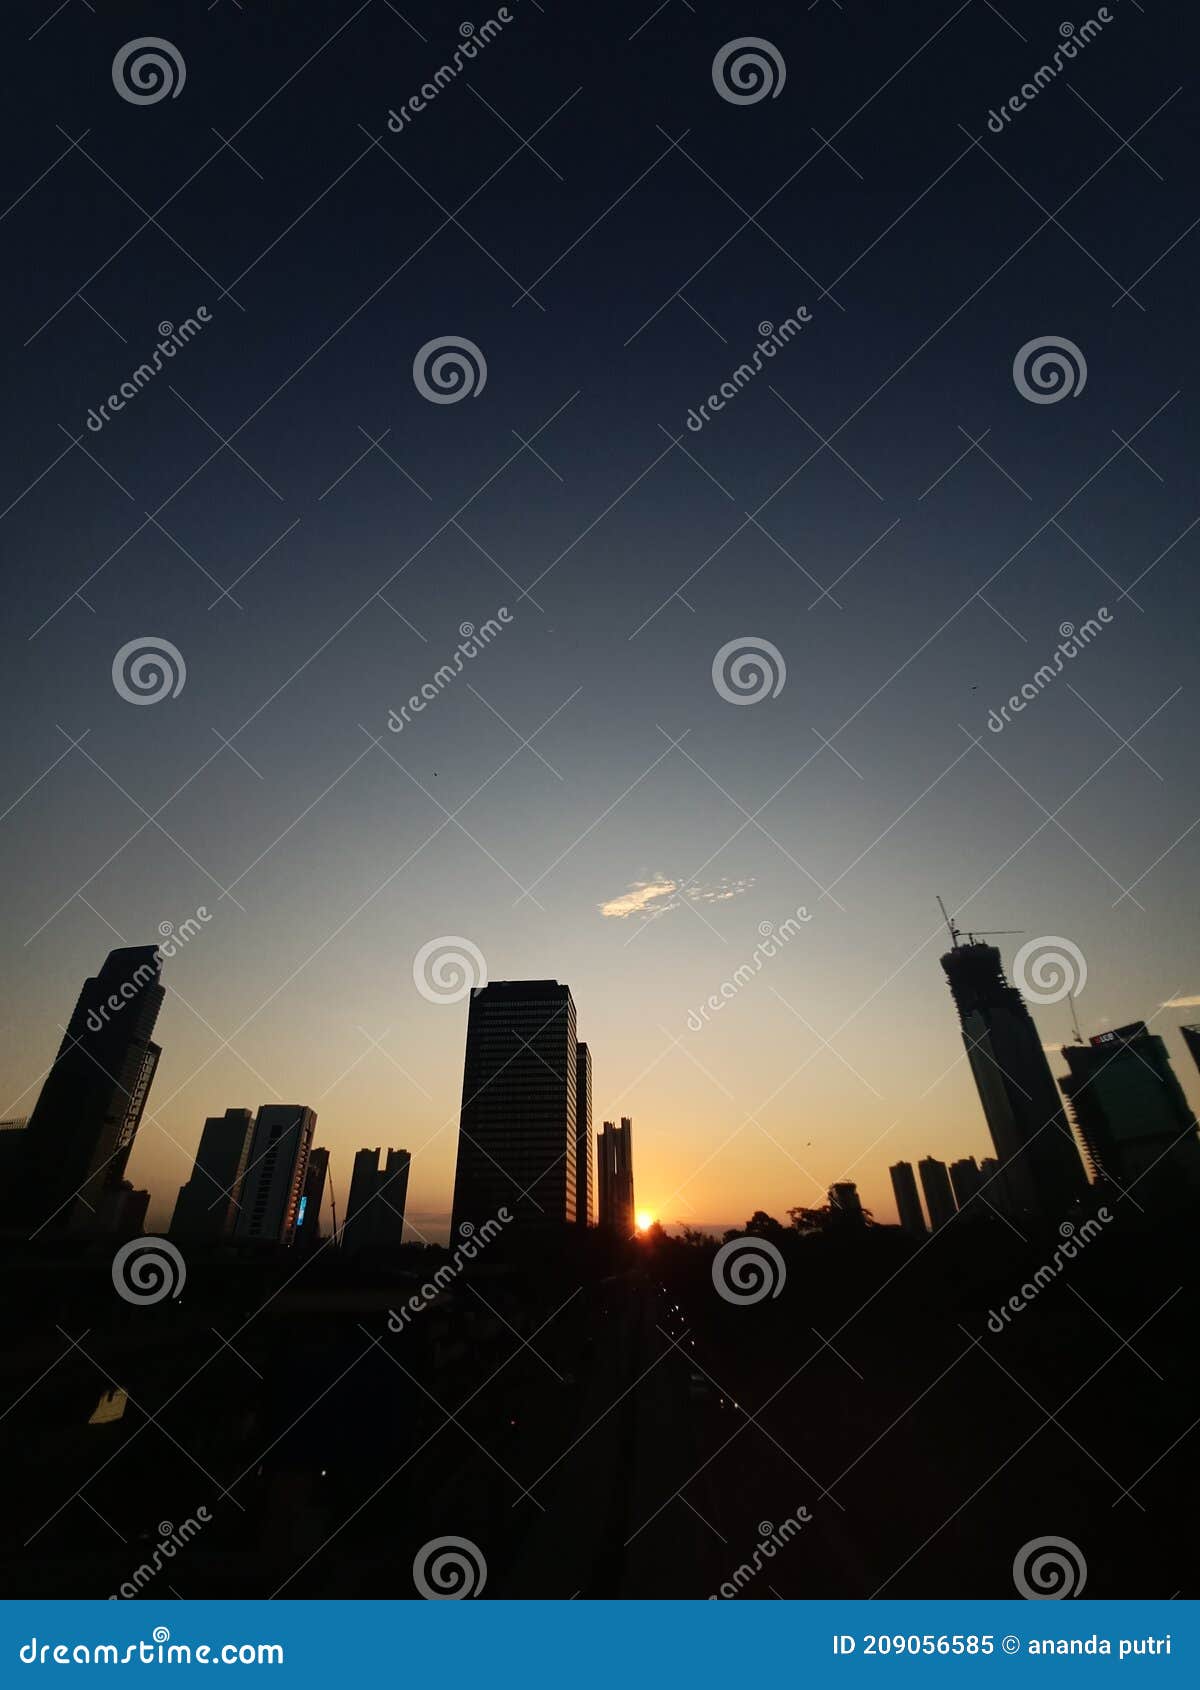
{"x":275,"y":1174}
{"x":516,"y":1141}
{"x":1042,"y":1169}
{"x":584,"y":1200}
{"x":614,"y":1147}
{"x":1133,"y":1116}
{"x":965,"y":1179}
{"x":939,"y":1198}
{"x":83,"y":1125}
{"x":207,"y":1206}
{"x":375,"y":1206}
{"x":308,"y":1214}
{"x":1191,"y":1038}
{"x":908,"y":1204}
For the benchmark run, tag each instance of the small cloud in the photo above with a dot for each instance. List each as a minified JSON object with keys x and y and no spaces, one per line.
{"x":654,"y":897}
{"x":1181,"y":1003}
{"x":644,"y":897}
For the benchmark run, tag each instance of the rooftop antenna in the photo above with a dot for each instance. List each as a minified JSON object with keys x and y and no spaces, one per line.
{"x":1074,"y":1018}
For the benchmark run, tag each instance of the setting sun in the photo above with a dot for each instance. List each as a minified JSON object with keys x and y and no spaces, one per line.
{"x":645,"y":1220}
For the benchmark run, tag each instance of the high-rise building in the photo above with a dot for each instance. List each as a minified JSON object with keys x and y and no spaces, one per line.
{"x":584,"y":1198}
{"x":845,"y":1207}
{"x":275,"y":1173}
{"x":1132,"y":1115}
{"x":908,"y":1204}
{"x":965,"y":1179}
{"x":308,"y":1214}
{"x":516,"y":1141}
{"x":83,"y":1125}
{"x":939,"y":1198}
{"x":1191,"y":1038}
{"x":207,"y":1206}
{"x":375,"y":1206}
{"x":1042,"y":1168}
{"x":614,"y":1157}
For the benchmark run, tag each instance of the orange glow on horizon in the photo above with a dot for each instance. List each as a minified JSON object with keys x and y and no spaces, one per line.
{"x":645,"y":1220}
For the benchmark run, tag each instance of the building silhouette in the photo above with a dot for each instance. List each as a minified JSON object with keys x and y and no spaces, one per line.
{"x":1132,"y":1115}
{"x":845,"y":1207}
{"x":965,"y":1180}
{"x":516,"y":1141}
{"x":1042,"y":1168}
{"x":308,"y":1214}
{"x":614,"y":1159}
{"x":584,"y":1159}
{"x":207,"y":1206}
{"x":275,"y":1173}
{"x":375,"y":1207}
{"x":939,"y":1197}
{"x":1191,"y":1038}
{"x":908,"y":1204}
{"x":85,"y":1120}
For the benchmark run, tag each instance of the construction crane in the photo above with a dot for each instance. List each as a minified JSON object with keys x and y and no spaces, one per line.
{"x":983,"y":933}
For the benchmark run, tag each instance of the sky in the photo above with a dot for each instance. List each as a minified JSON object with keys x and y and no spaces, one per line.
{"x":879,"y":516}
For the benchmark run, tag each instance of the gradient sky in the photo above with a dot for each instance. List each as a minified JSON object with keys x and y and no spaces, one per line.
{"x":935,"y":239}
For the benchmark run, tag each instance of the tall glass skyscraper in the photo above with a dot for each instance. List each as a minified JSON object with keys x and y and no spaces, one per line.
{"x":275,"y":1174}
{"x":517,"y":1130}
{"x":584,"y":1202}
{"x":1043,"y":1174}
{"x":1132,"y":1115}
{"x":614,"y":1147}
{"x":84,"y":1122}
